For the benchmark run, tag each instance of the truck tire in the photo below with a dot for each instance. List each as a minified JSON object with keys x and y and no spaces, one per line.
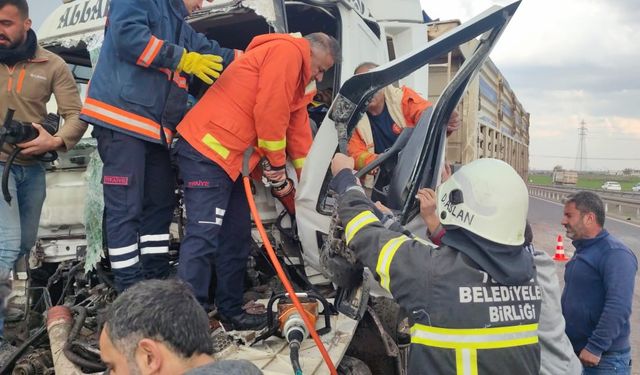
{"x":353,"y":366}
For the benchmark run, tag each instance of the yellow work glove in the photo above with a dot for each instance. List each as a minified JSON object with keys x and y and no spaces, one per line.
{"x":204,"y":67}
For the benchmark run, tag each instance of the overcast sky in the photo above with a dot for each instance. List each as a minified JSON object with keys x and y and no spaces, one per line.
{"x":567,"y":61}
{"x":40,"y":9}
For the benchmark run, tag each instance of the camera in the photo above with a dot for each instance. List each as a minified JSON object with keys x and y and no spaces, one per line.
{"x":14,"y":132}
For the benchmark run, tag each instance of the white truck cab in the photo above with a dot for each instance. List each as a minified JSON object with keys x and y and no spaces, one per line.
{"x":368,"y":31}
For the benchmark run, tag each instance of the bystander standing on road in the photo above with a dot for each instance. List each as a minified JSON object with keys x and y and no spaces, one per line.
{"x":598,"y":293}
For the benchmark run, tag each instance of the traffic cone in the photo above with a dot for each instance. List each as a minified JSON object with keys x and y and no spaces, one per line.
{"x":560,"y":250}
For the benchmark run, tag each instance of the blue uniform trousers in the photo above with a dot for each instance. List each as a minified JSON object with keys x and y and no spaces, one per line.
{"x":139,"y":198}
{"x":218,"y":230}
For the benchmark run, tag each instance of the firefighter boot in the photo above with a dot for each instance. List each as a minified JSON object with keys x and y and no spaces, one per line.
{"x":245,"y":321}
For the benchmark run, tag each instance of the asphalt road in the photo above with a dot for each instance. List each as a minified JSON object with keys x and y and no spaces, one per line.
{"x":545,"y":217}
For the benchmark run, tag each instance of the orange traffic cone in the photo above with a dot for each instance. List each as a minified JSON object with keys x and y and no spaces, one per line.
{"x":560,"y":250}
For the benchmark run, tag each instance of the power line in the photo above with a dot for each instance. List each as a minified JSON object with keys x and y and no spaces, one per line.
{"x":621,"y":139}
{"x":573,"y":157}
{"x":610,"y":137}
{"x":613,"y":137}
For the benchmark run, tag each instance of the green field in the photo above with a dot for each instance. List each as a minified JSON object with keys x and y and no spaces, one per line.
{"x":540,"y":179}
{"x":589,"y":181}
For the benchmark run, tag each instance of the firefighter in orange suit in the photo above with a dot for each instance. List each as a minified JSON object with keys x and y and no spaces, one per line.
{"x":261,"y":101}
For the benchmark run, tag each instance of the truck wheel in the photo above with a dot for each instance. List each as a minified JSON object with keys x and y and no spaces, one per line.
{"x":352,"y":366}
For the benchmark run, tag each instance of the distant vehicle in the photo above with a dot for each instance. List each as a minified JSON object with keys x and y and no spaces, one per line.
{"x":636,"y":187}
{"x":564,"y":177}
{"x":612,"y":185}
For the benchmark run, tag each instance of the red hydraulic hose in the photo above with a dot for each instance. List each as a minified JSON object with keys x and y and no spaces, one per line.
{"x":281,"y":275}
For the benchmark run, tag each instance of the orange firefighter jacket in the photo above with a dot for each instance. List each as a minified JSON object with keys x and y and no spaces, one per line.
{"x":405,"y":107}
{"x":260,"y":101}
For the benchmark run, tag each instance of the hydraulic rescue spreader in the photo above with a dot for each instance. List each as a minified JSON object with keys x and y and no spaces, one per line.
{"x":294,"y":332}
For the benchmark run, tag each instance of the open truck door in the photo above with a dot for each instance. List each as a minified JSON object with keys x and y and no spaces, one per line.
{"x":415,"y":159}
{"x":419,"y":153}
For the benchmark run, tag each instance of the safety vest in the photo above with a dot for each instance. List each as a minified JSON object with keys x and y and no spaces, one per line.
{"x":463,"y":322}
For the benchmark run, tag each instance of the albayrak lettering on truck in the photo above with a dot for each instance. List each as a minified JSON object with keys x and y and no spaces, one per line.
{"x":83,"y":12}
{"x":505,"y":303}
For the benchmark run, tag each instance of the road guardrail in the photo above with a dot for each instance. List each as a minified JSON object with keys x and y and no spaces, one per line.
{"x":619,"y":204}
{"x":601,"y":192}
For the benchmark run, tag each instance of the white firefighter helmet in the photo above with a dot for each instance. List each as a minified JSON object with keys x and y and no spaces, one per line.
{"x":487,"y":197}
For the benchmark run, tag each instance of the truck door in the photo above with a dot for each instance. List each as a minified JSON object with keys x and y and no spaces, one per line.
{"x":418,"y":165}
{"x":360,"y":41}
{"x":280,"y":24}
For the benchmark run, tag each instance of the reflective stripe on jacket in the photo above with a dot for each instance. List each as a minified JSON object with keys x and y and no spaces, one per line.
{"x":463,"y":321}
{"x":135,"y":87}
{"x":261,"y":101}
{"x":405,"y":107}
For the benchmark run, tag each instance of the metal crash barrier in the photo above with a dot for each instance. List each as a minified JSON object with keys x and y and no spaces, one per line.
{"x":619,"y":204}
